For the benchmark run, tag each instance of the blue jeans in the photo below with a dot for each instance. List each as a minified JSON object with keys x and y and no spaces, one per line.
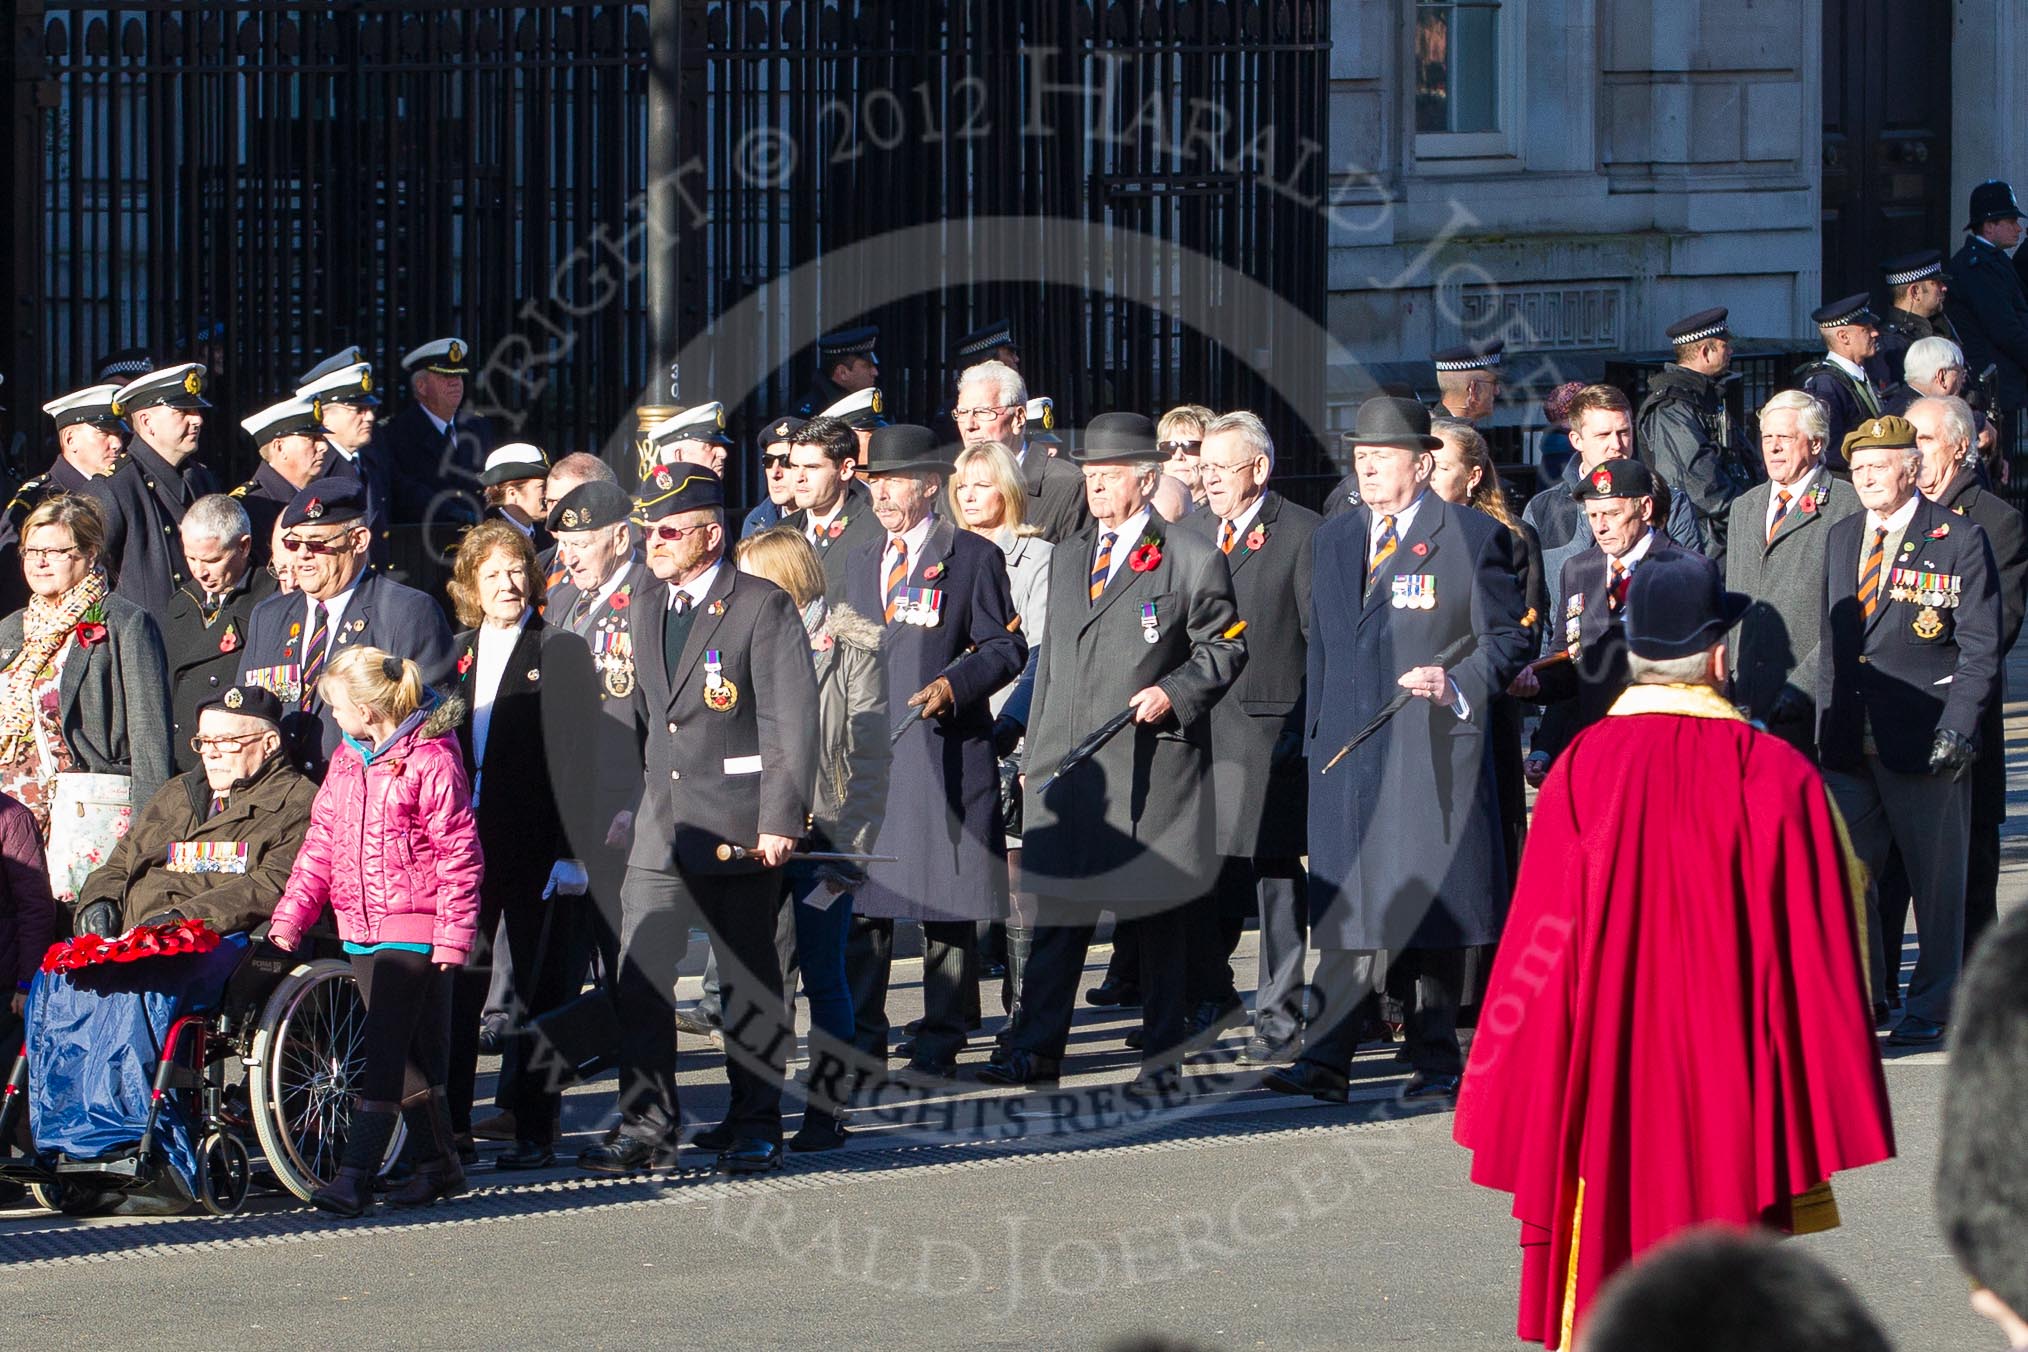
{"x":820,"y":952}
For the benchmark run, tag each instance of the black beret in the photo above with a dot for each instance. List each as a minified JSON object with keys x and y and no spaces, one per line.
{"x":1615,"y":479}
{"x":326,"y":502}
{"x":249,"y":701}
{"x":782,"y":429}
{"x":591,"y":505}
{"x":672,"y":489}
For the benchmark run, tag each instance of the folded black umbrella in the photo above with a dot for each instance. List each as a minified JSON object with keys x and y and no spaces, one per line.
{"x":1089,"y":747}
{"x":1394,"y":706}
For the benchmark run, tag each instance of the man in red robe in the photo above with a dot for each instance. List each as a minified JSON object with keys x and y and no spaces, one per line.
{"x":1678,"y":1028}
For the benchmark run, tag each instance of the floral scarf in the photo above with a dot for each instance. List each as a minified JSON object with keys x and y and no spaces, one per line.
{"x":46,"y":627}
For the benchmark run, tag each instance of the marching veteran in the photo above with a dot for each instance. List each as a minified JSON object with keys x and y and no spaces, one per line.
{"x":216,"y":843}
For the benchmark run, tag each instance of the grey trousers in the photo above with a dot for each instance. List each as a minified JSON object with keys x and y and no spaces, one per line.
{"x":1930,"y":818}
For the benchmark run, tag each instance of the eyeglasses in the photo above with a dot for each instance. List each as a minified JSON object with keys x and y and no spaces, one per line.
{"x":336,"y":544}
{"x":1181,"y":447}
{"x":775,"y":461}
{"x":49,"y":555}
{"x":671,"y":534}
{"x":979,"y":414}
{"x":204,"y":746}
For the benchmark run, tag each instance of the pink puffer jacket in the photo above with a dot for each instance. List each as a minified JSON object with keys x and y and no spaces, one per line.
{"x":393,"y":847}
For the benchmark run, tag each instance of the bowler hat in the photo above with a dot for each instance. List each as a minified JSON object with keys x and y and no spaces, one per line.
{"x":1677,"y":606}
{"x":904,"y":448}
{"x":1117,"y":438}
{"x":1388,"y":420}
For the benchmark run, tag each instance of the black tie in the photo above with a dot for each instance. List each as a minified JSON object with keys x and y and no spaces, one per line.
{"x":676,"y":632}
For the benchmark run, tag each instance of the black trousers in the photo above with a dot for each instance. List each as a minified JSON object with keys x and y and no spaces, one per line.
{"x":950,"y":988}
{"x":1212,"y":926}
{"x":1349,"y":982}
{"x":1056,"y":968}
{"x":543,"y":979}
{"x":1277,"y":891}
{"x":408,"y":1023}
{"x":740,"y":912}
{"x":1125,"y":964}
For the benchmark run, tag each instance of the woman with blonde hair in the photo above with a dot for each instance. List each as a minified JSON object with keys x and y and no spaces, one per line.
{"x":851,"y":793}
{"x":84,"y":694}
{"x":392,"y":849}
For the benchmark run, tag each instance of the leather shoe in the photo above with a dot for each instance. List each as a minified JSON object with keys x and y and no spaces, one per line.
{"x":627,"y":1155}
{"x":1136,"y":1038}
{"x":1019,"y":1067}
{"x":1260,"y":1051}
{"x":923,"y":1073}
{"x":714,"y":1139}
{"x":1914,"y":1032}
{"x":526,"y":1155}
{"x":689,"y":1021}
{"x":750,"y":1155}
{"x":498,"y":1127}
{"x":1109,"y":993}
{"x":1422,"y":1088}
{"x":1215,"y":1016}
{"x":1883,"y":1018}
{"x":492,"y":1037}
{"x":1158,"y":1082}
{"x":1307,"y":1077}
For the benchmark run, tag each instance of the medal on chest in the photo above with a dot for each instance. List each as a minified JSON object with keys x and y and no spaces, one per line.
{"x":922,"y":606}
{"x":1151,"y":624}
{"x":720,"y":694}
{"x":1413,"y":591}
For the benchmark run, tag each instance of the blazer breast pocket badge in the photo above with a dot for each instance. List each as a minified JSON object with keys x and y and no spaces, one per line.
{"x":720,"y":694}
{"x":1413,"y":591}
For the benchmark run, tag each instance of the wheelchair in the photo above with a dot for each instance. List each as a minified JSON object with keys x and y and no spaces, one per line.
{"x":143,"y":1080}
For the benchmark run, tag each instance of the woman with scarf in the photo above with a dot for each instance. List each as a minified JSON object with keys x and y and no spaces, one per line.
{"x":84,"y":694}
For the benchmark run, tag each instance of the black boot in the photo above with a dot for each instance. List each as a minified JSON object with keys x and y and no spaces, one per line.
{"x":351,"y":1192}
{"x":821,"y":1131}
{"x":438,"y":1171}
{"x":1020,"y":942}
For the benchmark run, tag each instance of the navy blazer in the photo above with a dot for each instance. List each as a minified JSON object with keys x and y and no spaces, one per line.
{"x":1915,"y":666}
{"x":1577,"y":694}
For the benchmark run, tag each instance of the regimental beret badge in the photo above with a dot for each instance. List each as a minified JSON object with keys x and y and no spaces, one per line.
{"x":457,"y":352}
{"x":366,"y":382}
{"x":1876,"y":429}
{"x":781,"y":430}
{"x":233,"y":698}
{"x":662,"y":479}
{"x":313,"y":510}
{"x":1602,"y":480}
{"x":569,"y":521}
{"x":193,"y":382}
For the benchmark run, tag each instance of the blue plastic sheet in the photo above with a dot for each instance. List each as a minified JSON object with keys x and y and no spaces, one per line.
{"x":95,"y":1037}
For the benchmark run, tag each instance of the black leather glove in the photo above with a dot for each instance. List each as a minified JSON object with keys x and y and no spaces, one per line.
{"x":1790,"y":706}
{"x":172,"y":916}
{"x":1006,"y":736}
{"x":1952,"y":751}
{"x":99,"y":917}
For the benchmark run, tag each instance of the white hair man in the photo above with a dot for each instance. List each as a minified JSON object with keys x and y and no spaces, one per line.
{"x":205,"y":624}
{"x":993,"y":406}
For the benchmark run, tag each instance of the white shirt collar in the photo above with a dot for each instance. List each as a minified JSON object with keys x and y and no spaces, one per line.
{"x":1898,"y":522}
{"x":1797,"y":491}
{"x":697,"y":588}
{"x":817,"y":523}
{"x":436,"y":422}
{"x":1245,"y":518}
{"x":1847,"y":367}
{"x":1402,"y":520}
{"x":1638,"y":552}
{"x":1129,"y":531}
{"x":914,"y":537}
{"x":334,"y":609}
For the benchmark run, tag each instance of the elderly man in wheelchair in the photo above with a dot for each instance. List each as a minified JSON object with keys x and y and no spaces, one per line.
{"x":139,"y":1027}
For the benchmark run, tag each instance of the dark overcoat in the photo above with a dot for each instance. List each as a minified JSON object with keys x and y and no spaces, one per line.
{"x":1258,"y":778}
{"x":1775,"y":644}
{"x":264,"y":498}
{"x":1055,"y":495}
{"x":853,"y":527}
{"x":1405,"y":842}
{"x":204,"y":654}
{"x":1577,"y":693}
{"x":144,"y":500}
{"x":942,"y":820}
{"x":1136,"y":822}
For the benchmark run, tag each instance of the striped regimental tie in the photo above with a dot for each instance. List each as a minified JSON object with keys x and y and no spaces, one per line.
{"x":1102,"y":568}
{"x":897,"y":574}
{"x":1385,"y":550}
{"x":1869,"y":574}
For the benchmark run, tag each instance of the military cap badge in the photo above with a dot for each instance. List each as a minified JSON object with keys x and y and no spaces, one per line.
{"x":569,"y":519}
{"x":313,"y":510}
{"x":781,"y":429}
{"x":1049,"y":417}
{"x":662,"y":480}
{"x":233,"y":698}
{"x":193,"y":382}
{"x":114,"y":408}
{"x":1602,"y":480}
{"x":457,"y":352}
{"x":366,"y":382}
{"x":877,"y":403}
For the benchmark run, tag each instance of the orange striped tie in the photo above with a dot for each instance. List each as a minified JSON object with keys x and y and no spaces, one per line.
{"x":1385,"y":550}
{"x":1225,"y":535}
{"x":1102,"y":570}
{"x":897,"y":573}
{"x":1869,"y":574}
{"x":1781,"y":513}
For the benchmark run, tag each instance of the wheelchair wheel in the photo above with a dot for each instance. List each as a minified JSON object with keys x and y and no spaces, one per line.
{"x":309,"y":1051}
{"x":72,"y":1199}
{"x":223,"y":1173}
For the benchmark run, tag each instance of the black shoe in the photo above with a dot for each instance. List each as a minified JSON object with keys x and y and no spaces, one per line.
{"x":923,"y":1073}
{"x":821,"y":1131}
{"x":1422,"y":1088}
{"x":750,"y":1156}
{"x":1914,"y":1032}
{"x":526,"y":1155}
{"x":1307,"y":1077}
{"x":492,"y":1037}
{"x":991,"y":969}
{"x":1215,"y":1016}
{"x":713,"y":1139}
{"x":1260,"y":1051}
{"x":1019,"y":1067}
{"x":912,"y":1027}
{"x":1158,"y":1082}
{"x":905,"y":1049}
{"x":1109,"y":993}
{"x":627,"y":1155}
{"x":348,"y":1195}
{"x":1136,"y":1038}
{"x":1883,"y":1017}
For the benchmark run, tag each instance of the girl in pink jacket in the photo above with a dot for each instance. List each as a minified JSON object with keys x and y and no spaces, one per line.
{"x":394,"y":851}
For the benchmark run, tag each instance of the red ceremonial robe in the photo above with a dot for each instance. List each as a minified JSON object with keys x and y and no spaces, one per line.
{"x":1678,"y":1028}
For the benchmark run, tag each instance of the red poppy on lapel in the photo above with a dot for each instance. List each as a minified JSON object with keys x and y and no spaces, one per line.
{"x":1810,"y":503}
{"x":229,"y":640}
{"x":933,"y":572}
{"x":1255,"y":538}
{"x":1144,"y":558}
{"x":620,"y":600}
{"x":1940,"y":532}
{"x":90,"y":634}
{"x":465,"y":662}
{"x":1419,"y":548}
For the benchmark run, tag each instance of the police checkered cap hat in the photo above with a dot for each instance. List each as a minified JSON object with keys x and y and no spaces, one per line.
{"x":1889,"y":433}
{"x":1912,"y":268}
{"x":1618,"y":478}
{"x":1677,"y":606}
{"x":705,"y":422}
{"x":93,"y":404}
{"x":337,"y":361}
{"x":248,"y":701}
{"x":592,"y":504}
{"x":672,"y":489}
{"x":180,"y":386}
{"x":445,"y":356}
{"x":1041,"y":424}
{"x":347,"y":385}
{"x":513,"y":462}
{"x":985,"y":338}
{"x":1470,"y":356}
{"x":292,"y":417}
{"x":860,"y":410}
{"x":1700,"y":327}
{"x":858,"y":342}
{"x":122,"y":366}
{"x":1853,"y":309}
{"x":326,"y":502}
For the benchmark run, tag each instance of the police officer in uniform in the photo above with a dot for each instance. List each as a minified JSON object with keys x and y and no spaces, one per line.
{"x":846,"y":364}
{"x":721,"y":692}
{"x":341,"y":602}
{"x":89,"y":436}
{"x":1838,"y":379}
{"x":436,"y":445}
{"x":146,"y":496}
{"x":204,"y":631}
{"x":1987,"y":303}
{"x":293,"y":449}
{"x":1468,"y":378}
{"x":1909,"y":661}
{"x":1685,"y":435}
{"x":1916,"y":286}
{"x":342,"y":387}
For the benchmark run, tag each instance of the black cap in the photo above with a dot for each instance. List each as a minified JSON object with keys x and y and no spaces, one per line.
{"x":1912,"y":268}
{"x":248,"y":701}
{"x":1389,"y":420}
{"x":1117,"y":438}
{"x":1853,"y":309}
{"x":981,"y":342}
{"x":117,"y":368}
{"x":781,"y":429}
{"x":670,"y":489}
{"x":1677,"y":606}
{"x":858,"y":342}
{"x":1993,"y":200}
{"x":171,"y":387}
{"x":1470,"y":356}
{"x":326,"y":502}
{"x":592,"y":504}
{"x":905,"y":448}
{"x":1698,"y":328}
{"x":1615,"y":479}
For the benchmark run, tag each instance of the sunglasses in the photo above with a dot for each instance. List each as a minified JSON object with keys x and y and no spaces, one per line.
{"x":337,"y":544}
{"x":671,"y":534}
{"x":1181,"y":447}
{"x":775,"y":461}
